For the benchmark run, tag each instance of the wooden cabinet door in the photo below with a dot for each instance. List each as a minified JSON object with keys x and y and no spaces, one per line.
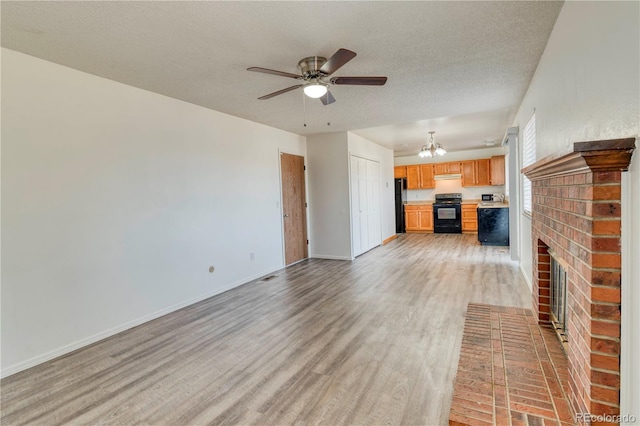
{"x":483,"y":172}
{"x":426,"y":176}
{"x":426,"y":219}
{"x":469,"y":218}
{"x":411,"y":219}
{"x":468,"y":171}
{"x":400,"y":172}
{"x":497,"y":170}
{"x":440,"y":169}
{"x":413,"y":177}
{"x":454,"y":167}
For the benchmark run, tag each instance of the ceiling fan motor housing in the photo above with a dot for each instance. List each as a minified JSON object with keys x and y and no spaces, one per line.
{"x":309,"y":67}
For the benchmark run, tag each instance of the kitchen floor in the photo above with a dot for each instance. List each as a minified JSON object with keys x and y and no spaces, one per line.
{"x":372,"y":341}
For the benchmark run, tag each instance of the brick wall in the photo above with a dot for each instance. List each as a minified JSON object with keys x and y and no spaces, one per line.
{"x":576,"y":216}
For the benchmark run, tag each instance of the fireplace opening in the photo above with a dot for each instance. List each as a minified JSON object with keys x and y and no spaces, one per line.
{"x":558,"y":297}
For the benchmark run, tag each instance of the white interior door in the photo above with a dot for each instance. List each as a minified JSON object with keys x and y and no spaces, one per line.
{"x":373,"y":199}
{"x":365,"y":204}
{"x":355,"y":208}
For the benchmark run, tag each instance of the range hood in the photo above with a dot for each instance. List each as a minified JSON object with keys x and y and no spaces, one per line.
{"x":448,"y":176}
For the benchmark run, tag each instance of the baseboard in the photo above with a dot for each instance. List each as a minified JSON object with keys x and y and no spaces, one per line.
{"x":32,"y":362}
{"x":330,"y":257}
{"x":526,"y":277}
{"x":391,"y":238}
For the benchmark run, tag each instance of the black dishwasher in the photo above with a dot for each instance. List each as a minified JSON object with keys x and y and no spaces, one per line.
{"x":493,"y":226}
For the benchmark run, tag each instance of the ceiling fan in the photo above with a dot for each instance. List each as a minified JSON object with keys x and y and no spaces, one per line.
{"x":315,"y":72}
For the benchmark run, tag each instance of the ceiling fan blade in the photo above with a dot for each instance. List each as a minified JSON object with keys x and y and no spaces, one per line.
{"x":341,"y":57}
{"x":360,"y":81}
{"x":274,"y":72}
{"x":328,"y":98}
{"x":280,"y":92}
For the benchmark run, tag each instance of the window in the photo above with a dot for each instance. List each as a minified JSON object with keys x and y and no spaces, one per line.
{"x":528,"y":158}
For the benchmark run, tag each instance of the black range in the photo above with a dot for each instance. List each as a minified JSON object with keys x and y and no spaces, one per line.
{"x":447,"y":216}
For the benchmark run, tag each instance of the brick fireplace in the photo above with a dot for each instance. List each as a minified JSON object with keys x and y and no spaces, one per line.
{"x":576,"y":220}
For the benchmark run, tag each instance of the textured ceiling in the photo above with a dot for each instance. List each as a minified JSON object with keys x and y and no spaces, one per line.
{"x":458,"y":68}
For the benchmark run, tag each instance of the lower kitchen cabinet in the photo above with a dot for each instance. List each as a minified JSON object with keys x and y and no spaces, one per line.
{"x":469,"y":218}
{"x":418,"y":218}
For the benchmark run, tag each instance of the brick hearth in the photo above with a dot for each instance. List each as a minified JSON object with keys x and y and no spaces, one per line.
{"x":576,"y":216}
{"x":511,"y":371}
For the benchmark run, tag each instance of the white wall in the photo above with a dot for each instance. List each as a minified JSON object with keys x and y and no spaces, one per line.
{"x":328,"y":171}
{"x":115,"y":202}
{"x":452,"y":185}
{"x":365,"y":148}
{"x":586,"y":87}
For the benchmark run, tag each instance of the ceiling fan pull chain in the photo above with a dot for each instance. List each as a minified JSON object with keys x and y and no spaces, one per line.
{"x":304,"y":109}
{"x":326,"y":108}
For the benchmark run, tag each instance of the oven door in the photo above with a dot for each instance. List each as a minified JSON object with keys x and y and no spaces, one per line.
{"x":447,"y":218}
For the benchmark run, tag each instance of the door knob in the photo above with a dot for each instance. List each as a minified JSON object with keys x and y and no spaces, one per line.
{"x":286,"y":215}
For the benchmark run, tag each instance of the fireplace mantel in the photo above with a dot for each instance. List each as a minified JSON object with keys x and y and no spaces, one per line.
{"x":609,"y":155}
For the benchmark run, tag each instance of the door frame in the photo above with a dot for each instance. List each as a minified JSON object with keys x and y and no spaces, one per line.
{"x":377,"y":160}
{"x":281,"y":208}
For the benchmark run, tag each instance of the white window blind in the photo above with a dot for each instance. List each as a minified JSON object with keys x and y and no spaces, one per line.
{"x":528,"y":158}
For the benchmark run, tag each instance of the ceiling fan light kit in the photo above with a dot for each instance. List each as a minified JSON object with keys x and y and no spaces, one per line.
{"x":315,"y":90}
{"x":431,"y":149}
{"x":315,"y":72}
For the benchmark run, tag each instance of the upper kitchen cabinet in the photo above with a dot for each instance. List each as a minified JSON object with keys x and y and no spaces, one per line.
{"x":420,"y":176}
{"x":426,"y":176}
{"x":400,"y":172}
{"x":452,"y":167}
{"x":413,"y":177}
{"x":497,"y":170}
{"x":455,"y":167}
{"x":476,"y":172}
{"x":483,"y":172}
{"x":468,"y":171}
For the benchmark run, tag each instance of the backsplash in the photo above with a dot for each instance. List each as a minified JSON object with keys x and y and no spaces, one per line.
{"x":453,"y":185}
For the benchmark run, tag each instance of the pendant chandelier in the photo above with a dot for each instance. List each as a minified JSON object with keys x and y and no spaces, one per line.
{"x":431,"y":149}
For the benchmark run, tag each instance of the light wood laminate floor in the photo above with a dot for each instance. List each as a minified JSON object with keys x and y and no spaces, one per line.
{"x":327,"y":342}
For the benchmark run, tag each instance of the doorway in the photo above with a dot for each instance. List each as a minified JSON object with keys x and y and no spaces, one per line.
{"x":294,"y":208}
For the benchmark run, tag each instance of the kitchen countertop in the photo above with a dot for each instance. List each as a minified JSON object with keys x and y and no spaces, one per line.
{"x":480,"y":203}
{"x":493,"y":205}
{"x":418,"y":203}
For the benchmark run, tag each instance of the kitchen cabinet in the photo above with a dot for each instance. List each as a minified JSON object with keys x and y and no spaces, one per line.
{"x":476,"y":172}
{"x":468,"y":171}
{"x":420,"y":176}
{"x":418,"y":218}
{"x":469,"y":218}
{"x":497,"y":170}
{"x":452,"y":167}
{"x":483,"y":172}
{"x":400,"y":172}
{"x":413,"y":177}
{"x":426,"y":176}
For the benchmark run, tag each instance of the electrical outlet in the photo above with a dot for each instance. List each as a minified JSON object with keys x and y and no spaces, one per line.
{"x":252,"y":256}
{"x":211,"y":269}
